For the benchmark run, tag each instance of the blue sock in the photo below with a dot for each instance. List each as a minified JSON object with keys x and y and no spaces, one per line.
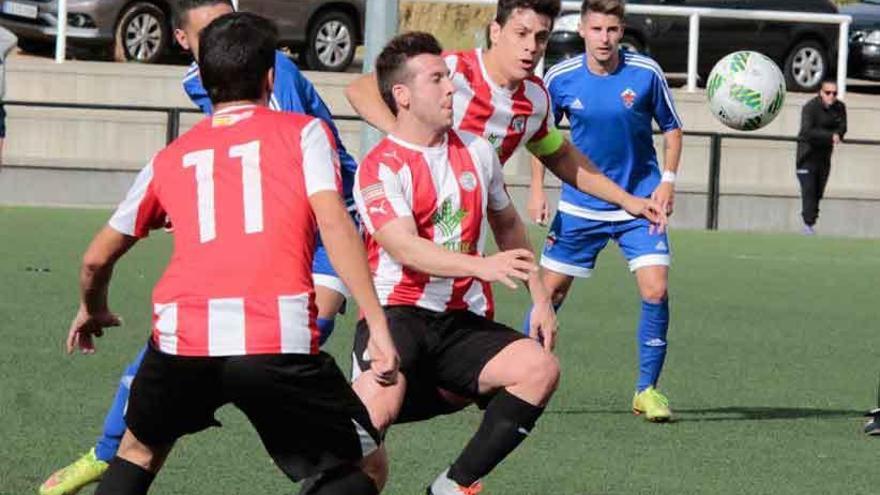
{"x":525,"y":324}
{"x":651,"y":335}
{"x":325,"y":326}
{"x":114,"y":422}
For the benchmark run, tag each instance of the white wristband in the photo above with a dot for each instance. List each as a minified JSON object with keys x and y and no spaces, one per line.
{"x":668,"y":176}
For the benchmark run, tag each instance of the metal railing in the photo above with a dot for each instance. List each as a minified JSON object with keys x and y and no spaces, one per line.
{"x":713,"y":180}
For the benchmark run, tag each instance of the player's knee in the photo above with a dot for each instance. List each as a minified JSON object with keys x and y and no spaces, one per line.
{"x":542,"y":372}
{"x":654,"y":291}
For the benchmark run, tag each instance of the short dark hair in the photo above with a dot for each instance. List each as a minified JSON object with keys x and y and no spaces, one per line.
{"x":236,"y":52}
{"x":550,"y":8}
{"x":183,"y":7}
{"x":607,"y":7}
{"x":391,"y":63}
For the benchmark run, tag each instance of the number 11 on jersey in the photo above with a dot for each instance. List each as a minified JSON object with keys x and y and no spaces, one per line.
{"x":252,"y":189}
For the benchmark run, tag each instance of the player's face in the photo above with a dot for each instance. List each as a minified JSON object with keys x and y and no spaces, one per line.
{"x":521,"y":42}
{"x":428,"y":93}
{"x":602,"y":34}
{"x":828,"y":93}
{"x":196,"y":20}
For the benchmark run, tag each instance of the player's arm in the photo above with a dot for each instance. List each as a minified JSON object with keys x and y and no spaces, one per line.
{"x":364,"y":96}
{"x":95,"y":273}
{"x":346,"y":252}
{"x":510,"y":233}
{"x":665,"y":191}
{"x":401,"y":240}
{"x":572,"y":167}
{"x":537,"y":205}
{"x":135,"y":216}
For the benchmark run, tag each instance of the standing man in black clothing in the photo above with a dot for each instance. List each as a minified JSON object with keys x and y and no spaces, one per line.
{"x":823,"y":124}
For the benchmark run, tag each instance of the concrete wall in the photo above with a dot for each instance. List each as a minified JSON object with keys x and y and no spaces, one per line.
{"x":62,"y":156}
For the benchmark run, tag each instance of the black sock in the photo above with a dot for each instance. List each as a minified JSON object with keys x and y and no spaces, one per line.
{"x":343,"y":480}
{"x":123,"y":478}
{"x":506,"y":423}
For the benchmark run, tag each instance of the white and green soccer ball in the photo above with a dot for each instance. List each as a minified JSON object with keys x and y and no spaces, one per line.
{"x":746,"y":90}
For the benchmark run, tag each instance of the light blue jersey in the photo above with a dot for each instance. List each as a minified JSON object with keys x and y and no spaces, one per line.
{"x":611,"y":119}
{"x":292,"y":92}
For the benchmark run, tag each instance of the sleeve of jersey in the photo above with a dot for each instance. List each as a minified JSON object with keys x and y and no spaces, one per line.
{"x":379,"y":195}
{"x":141,"y":210}
{"x":498,"y":197}
{"x":548,"y":139}
{"x":320,"y":161}
{"x":664,"y":108}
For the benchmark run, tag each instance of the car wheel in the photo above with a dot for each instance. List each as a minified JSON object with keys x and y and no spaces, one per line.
{"x":331,"y":42}
{"x":806,"y":66}
{"x":142,"y":34}
{"x":631,"y":44}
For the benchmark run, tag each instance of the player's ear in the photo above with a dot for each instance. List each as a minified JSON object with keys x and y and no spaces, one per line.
{"x":494,"y":33}
{"x":402,"y":95}
{"x":180,"y":36}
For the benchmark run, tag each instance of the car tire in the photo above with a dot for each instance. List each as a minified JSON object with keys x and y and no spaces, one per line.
{"x":331,"y":44}
{"x":806,"y":66}
{"x":142,"y":34}
{"x":632,"y":44}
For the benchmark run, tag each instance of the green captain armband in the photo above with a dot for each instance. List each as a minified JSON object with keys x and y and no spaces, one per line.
{"x":549,"y":144}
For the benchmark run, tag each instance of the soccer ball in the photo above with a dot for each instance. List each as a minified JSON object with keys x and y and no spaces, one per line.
{"x":746,"y":90}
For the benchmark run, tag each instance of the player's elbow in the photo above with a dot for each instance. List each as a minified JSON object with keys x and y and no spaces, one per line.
{"x":94,"y":261}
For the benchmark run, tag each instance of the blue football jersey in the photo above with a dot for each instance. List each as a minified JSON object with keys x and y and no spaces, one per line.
{"x":292,"y":92}
{"x":610,"y":119}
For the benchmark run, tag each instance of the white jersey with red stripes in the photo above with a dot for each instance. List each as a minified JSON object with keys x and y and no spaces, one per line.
{"x":507,"y":119}
{"x":236,"y":189}
{"x":447,"y":191}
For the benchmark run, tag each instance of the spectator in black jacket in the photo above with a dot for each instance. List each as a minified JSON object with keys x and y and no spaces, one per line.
{"x":823,"y":124}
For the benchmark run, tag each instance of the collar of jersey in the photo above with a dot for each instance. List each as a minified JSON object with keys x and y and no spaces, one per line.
{"x":236,"y":108}
{"x":488,"y":79}
{"x":422,"y":149}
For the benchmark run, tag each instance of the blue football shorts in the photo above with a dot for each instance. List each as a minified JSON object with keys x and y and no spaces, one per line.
{"x":573,"y":244}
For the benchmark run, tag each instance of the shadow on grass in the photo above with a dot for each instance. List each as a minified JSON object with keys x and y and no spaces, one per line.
{"x":731,"y":413}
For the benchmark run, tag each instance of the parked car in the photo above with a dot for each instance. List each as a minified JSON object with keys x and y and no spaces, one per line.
{"x":805,"y":52}
{"x":864,"y":41}
{"x":326,"y":33}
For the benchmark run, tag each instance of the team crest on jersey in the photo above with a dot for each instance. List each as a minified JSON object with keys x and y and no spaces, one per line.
{"x":628,"y":97}
{"x":518,"y":124}
{"x":448,"y":219}
{"x":468,"y":181}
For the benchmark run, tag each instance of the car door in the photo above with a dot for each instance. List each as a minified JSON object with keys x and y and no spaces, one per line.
{"x":290,"y":16}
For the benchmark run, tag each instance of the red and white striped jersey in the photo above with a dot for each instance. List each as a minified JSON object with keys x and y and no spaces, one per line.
{"x":236,"y":189}
{"x":507,"y":119}
{"x":447,"y":190}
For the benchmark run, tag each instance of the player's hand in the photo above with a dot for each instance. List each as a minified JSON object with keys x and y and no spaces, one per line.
{"x":384,"y":360}
{"x":507,"y":267}
{"x":85,"y":327}
{"x":537,"y":206}
{"x":665,"y":196}
{"x":648,"y":208}
{"x":542,"y":325}
{"x":835,"y":139}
